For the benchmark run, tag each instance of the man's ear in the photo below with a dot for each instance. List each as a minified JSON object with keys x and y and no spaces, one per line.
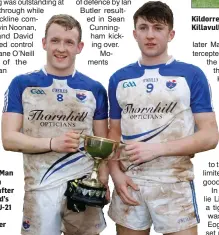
{"x":80,"y":47}
{"x":171,"y":35}
{"x":44,"y":43}
{"x":135,"y":34}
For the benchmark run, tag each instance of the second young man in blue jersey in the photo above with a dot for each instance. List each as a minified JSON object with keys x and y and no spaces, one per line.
{"x":155,"y":104}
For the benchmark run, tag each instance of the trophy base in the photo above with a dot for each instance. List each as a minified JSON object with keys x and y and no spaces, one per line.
{"x":80,"y":196}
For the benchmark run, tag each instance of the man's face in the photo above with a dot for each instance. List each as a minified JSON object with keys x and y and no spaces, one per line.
{"x":152,"y":38}
{"x":62,"y":46}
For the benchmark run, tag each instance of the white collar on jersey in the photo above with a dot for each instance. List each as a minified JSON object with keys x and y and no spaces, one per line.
{"x":44,"y":71}
{"x":168,"y":62}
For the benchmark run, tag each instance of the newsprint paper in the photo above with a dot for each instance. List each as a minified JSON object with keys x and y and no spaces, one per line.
{"x":107,"y":33}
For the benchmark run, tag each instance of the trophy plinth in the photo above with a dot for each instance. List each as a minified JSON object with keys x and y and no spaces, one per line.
{"x":80,"y":195}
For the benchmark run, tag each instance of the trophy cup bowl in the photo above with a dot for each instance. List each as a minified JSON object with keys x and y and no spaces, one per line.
{"x":99,"y":147}
{"x":90,"y":190}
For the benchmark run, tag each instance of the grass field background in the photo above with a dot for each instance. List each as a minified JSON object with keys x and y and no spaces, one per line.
{"x":205,"y":3}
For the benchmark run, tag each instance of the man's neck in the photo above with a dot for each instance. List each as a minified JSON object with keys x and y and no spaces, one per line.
{"x":58,"y":72}
{"x":150,"y":61}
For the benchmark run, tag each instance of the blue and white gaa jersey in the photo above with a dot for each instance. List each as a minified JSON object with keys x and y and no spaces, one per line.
{"x":52,"y":106}
{"x":155,"y":105}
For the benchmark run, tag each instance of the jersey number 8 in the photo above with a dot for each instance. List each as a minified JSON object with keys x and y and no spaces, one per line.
{"x":60,"y":97}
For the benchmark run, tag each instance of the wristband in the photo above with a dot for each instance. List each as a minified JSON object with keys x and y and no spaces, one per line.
{"x":50,"y":144}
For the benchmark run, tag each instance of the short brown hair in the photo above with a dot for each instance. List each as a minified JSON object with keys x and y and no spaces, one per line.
{"x":66,"y":21}
{"x":155,"y":11}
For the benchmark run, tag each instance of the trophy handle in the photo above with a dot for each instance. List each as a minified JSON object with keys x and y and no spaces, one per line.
{"x":121,"y":145}
{"x":85,"y":153}
{"x":82,"y":136}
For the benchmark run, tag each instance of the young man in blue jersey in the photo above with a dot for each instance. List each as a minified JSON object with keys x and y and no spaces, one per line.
{"x":43,"y":114}
{"x":168,"y":99}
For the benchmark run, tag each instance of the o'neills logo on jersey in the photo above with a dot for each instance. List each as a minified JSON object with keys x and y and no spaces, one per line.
{"x":59,"y":90}
{"x":62,"y":120}
{"x":150,"y":80}
{"x":153,"y":112}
